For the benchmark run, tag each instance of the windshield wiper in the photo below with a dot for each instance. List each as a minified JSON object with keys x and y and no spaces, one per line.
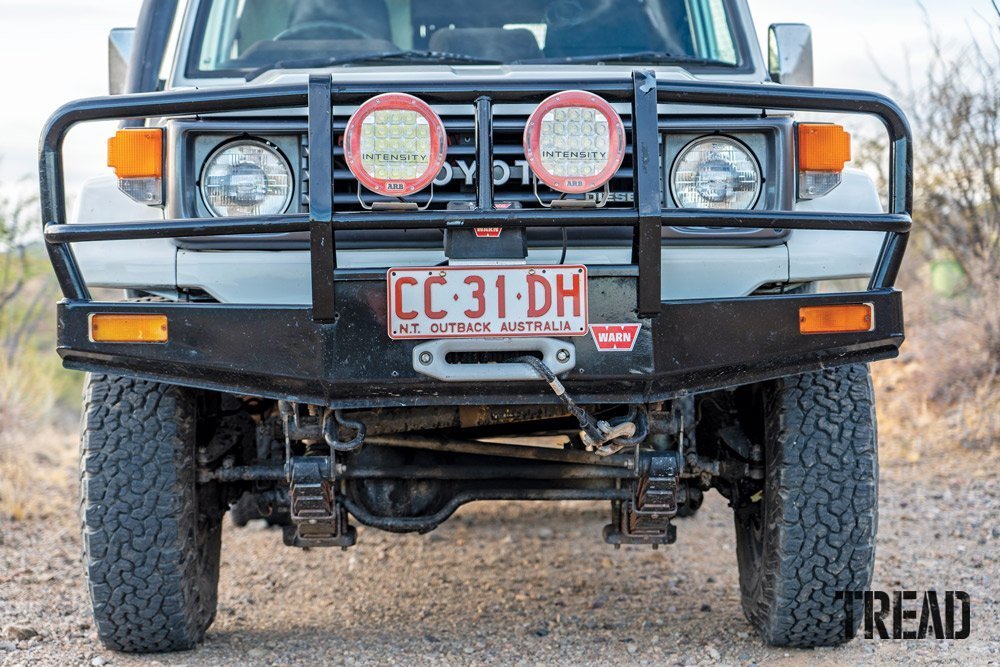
{"x":650,"y":57}
{"x":440,"y":57}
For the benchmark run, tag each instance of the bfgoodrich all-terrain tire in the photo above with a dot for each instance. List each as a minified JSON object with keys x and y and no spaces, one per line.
{"x":151,"y":534}
{"x":811,"y":532}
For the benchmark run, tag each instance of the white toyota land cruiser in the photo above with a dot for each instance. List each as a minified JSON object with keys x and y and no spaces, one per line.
{"x":333,"y":312}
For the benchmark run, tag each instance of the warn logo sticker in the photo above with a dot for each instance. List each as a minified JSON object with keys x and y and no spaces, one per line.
{"x":615,"y":337}
{"x":488,"y":232}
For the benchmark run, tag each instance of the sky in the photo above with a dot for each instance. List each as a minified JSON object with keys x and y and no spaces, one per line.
{"x":53,"y":51}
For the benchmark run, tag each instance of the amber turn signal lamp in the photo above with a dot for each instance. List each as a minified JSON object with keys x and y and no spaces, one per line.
{"x":136,"y":153}
{"x":107,"y":328}
{"x":823,"y":147}
{"x":841,"y":318}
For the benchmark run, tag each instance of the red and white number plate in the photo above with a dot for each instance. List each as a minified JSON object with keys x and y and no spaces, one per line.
{"x":487,"y":302}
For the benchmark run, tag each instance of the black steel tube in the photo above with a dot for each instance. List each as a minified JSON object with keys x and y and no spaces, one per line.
{"x":322,"y":243}
{"x":788,"y":97}
{"x":647,"y":244}
{"x":51,"y":174}
{"x":77,"y":233}
{"x":484,"y":153}
{"x":487,"y":92}
{"x":855,"y":222}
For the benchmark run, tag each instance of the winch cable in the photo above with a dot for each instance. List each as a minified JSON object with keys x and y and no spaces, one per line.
{"x":330,"y":434}
{"x":602,"y":437}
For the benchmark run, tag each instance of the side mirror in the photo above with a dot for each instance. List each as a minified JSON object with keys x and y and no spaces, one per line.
{"x":790,"y":54}
{"x":119,"y":54}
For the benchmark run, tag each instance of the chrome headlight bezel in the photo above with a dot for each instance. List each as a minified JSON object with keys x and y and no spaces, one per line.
{"x":752,"y":159}
{"x":263,"y":144}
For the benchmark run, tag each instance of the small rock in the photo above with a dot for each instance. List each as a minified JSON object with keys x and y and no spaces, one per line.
{"x":19,"y":633}
{"x":7,"y":646}
{"x":631,"y":648}
{"x":743,"y":635}
{"x":744,"y":656}
{"x":710,"y":580}
{"x":996,"y":532}
{"x":541,"y":632}
{"x":545,"y":533}
{"x":706,"y":607}
{"x":468,"y":650}
{"x":713,"y":653}
{"x":98,"y":662}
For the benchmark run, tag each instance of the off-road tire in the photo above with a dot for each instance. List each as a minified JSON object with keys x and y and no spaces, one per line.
{"x":812,"y":533}
{"x":151,"y":534}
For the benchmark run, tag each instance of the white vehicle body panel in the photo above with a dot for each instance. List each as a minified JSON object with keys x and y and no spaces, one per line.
{"x":145,"y":264}
{"x":825,"y":255}
{"x":283,"y":277}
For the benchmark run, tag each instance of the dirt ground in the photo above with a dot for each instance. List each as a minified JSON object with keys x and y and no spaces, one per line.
{"x":513,"y":583}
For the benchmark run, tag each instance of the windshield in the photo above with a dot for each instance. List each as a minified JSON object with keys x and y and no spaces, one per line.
{"x":237,"y":37}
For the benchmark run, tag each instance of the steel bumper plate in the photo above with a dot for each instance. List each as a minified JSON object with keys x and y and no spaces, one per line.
{"x":281,"y":352}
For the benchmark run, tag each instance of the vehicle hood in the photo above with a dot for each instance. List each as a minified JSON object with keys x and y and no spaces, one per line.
{"x":507,"y":73}
{"x":499,"y":73}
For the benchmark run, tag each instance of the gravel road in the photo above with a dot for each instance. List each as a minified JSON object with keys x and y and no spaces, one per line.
{"x":517,"y":584}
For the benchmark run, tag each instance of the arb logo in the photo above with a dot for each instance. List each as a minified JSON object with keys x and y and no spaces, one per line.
{"x":615,"y":337}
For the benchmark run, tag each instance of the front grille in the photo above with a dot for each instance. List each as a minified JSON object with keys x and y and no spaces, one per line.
{"x":455,"y":188}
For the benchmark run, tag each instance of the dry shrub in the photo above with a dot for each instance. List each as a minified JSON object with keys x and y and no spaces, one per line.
{"x":37,"y":455}
{"x":944,"y":391}
{"x":32,"y":383}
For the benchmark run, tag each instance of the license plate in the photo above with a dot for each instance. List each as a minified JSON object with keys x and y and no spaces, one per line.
{"x":487,"y":302}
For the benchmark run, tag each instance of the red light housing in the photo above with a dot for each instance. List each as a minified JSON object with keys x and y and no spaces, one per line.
{"x":395,"y":144}
{"x":574,"y":142}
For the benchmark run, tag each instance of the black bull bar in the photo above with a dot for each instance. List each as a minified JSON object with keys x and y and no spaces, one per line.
{"x":337,"y":352}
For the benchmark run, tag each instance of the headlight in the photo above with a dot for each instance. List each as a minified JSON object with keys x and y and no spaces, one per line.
{"x":246,"y":178}
{"x":715,"y":172}
{"x":395,"y":144}
{"x":574,"y":142}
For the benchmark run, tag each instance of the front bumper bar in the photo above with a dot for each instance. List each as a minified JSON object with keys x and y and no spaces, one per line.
{"x":281,"y":353}
{"x":337,"y":351}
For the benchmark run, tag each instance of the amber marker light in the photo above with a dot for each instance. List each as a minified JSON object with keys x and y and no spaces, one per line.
{"x":824,"y":149}
{"x":840,"y":318}
{"x":107,"y":328}
{"x":136,"y":155}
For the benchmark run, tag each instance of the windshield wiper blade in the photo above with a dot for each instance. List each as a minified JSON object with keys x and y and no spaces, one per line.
{"x":651,"y":57}
{"x":441,"y":57}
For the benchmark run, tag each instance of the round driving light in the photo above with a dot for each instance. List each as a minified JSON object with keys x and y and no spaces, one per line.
{"x":246,"y":178}
{"x":395,"y":144}
{"x":574,"y":142}
{"x":715,"y":172}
